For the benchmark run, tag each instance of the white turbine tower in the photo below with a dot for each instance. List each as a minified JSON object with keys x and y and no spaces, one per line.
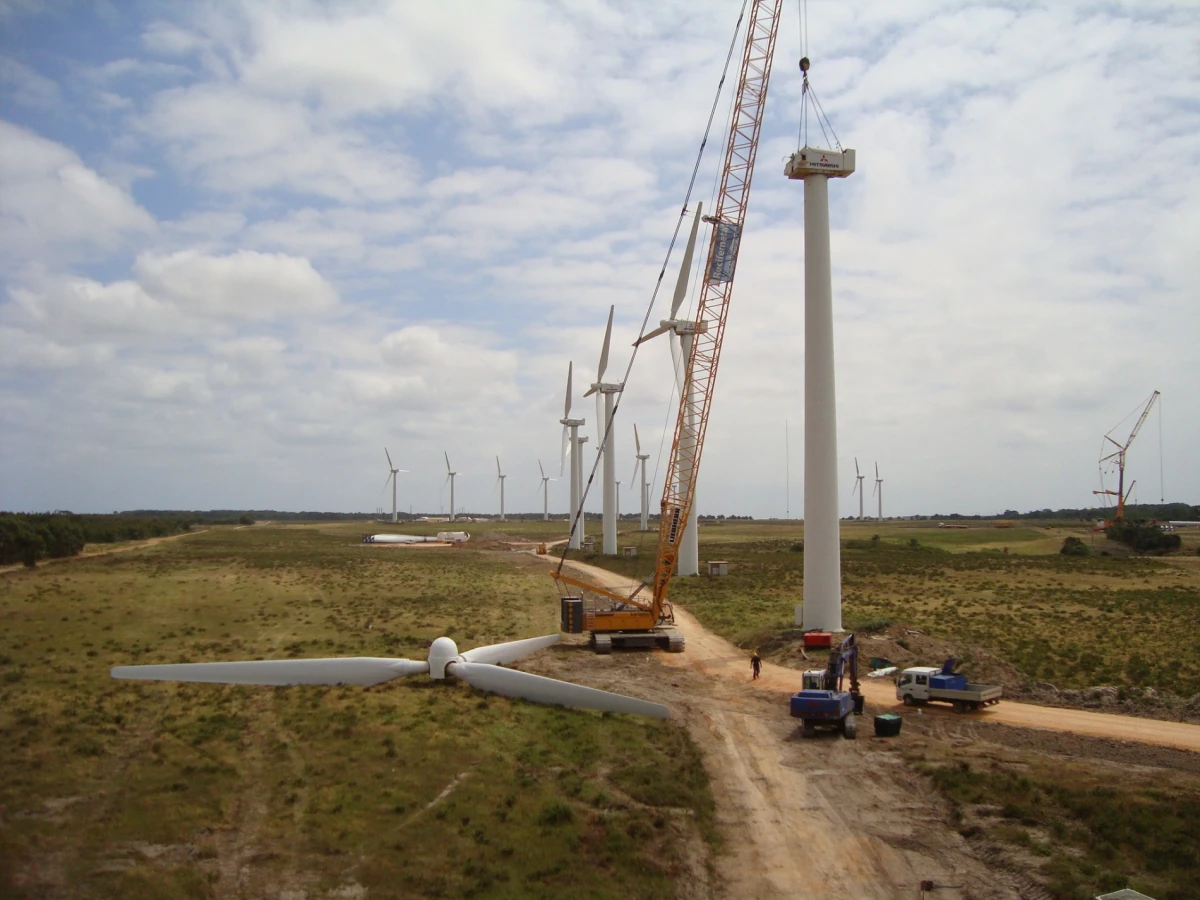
{"x":500,"y":476}
{"x":604,"y":430}
{"x":570,"y":447}
{"x":450,"y":478}
{"x":681,"y":332}
{"x":879,"y":488}
{"x":640,"y":460}
{"x":822,"y":548}
{"x":858,"y":486}
{"x":545,"y":486}
{"x":392,"y":477}
{"x":482,"y":668}
{"x":577,"y":463}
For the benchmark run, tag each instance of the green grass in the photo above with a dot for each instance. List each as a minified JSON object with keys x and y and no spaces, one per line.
{"x":1070,"y":621}
{"x":322,"y":784}
{"x":1094,"y":833}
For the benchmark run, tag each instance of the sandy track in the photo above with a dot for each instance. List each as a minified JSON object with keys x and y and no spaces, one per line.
{"x":831,"y":818}
{"x":826,"y":818}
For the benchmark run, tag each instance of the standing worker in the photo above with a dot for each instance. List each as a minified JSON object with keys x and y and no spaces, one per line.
{"x":755,"y":664}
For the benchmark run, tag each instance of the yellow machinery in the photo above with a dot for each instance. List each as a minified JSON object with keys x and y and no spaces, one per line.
{"x":635,"y":620}
{"x":1118,"y":457}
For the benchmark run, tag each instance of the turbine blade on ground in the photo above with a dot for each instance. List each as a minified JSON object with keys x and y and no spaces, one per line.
{"x":498,"y":654}
{"x":511,"y":683}
{"x":364,"y":670}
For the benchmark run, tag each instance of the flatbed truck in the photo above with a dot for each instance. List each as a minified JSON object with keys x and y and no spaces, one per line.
{"x":918,"y":685}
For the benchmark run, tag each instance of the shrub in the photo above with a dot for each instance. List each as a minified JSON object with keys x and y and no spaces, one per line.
{"x":1073,"y":546}
{"x":1143,"y":538}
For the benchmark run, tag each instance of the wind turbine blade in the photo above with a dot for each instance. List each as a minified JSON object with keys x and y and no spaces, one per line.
{"x":685,"y":270}
{"x":652,"y":334}
{"x":511,"y":683}
{"x":856,"y":472}
{"x":562,"y":458}
{"x":540,"y":469}
{"x":389,"y":456}
{"x":677,"y":360}
{"x":497,"y":467}
{"x":636,"y":442}
{"x":604,"y":349}
{"x":447,"y":455}
{"x":510,"y":651}
{"x":589,"y":392}
{"x":362,"y":670}
{"x":567,"y":405}
{"x":600,"y":423}
{"x":876,"y":471}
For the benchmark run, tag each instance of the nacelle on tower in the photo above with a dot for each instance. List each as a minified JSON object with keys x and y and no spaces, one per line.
{"x":814,"y":161}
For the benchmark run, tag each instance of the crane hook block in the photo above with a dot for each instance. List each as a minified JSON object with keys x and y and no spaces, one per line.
{"x":804,"y":64}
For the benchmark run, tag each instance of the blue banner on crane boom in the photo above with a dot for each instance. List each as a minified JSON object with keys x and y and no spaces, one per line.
{"x":725,"y":251}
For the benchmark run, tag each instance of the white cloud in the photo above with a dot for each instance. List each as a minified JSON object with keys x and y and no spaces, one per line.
{"x":246,"y":285}
{"x":53,"y":207}
{"x":26,"y":87}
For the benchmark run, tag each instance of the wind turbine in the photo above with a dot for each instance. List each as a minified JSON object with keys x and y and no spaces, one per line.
{"x":609,"y":390}
{"x":571,"y":434}
{"x":879,"y":488}
{"x":450,"y":478}
{"x":822,"y":526}
{"x":640,"y":460}
{"x":392,"y":477}
{"x":858,"y":486}
{"x":546,"y":479}
{"x":480,"y":668}
{"x":500,"y":481}
{"x":681,"y":333}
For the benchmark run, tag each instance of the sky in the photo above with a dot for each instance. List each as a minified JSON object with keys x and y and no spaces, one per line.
{"x":244,"y":246}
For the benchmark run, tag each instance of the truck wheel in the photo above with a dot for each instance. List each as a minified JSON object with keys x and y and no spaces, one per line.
{"x":809,"y":731}
{"x":960,"y":706}
{"x":908,"y":700}
{"x":850,"y":728}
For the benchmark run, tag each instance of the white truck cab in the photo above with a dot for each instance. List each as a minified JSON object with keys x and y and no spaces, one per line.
{"x":914,"y":682}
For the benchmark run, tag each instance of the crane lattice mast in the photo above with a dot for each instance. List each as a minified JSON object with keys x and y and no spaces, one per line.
{"x":695,"y":400}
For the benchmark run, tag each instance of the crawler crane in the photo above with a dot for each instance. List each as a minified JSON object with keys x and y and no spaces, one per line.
{"x":1119,"y":456}
{"x":637,"y":621}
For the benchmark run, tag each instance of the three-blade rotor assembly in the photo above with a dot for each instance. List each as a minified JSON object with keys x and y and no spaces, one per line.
{"x":480,"y":668}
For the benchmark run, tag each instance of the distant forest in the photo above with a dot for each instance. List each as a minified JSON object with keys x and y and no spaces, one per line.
{"x":1141,"y":512}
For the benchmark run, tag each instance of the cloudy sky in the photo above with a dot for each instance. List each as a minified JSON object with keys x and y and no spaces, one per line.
{"x":246,"y":245}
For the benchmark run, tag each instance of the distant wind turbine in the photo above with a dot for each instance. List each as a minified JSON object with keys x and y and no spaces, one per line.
{"x":450,"y":478}
{"x":392,"y":478}
{"x":604,"y":431}
{"x":545,"y":486}
{"x":571,"y":448}
{"x":879,"y":488}
{"x":858,"y":486}
{"x":640,"y":460}
{"x":500,"y":476}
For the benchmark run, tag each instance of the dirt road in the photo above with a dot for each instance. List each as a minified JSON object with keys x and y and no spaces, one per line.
{"x":106,"y":549}
{"x":827,"y":818}
{"x":832,"y":818}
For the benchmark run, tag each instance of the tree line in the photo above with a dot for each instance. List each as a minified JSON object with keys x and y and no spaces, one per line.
{"x":30,"y":537}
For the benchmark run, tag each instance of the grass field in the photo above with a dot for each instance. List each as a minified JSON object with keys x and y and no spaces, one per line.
{"x":119,"y":789}
{"x":1071,"y":621}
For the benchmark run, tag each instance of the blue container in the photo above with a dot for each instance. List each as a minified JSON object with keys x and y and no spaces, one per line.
{"x":948,"y":682}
